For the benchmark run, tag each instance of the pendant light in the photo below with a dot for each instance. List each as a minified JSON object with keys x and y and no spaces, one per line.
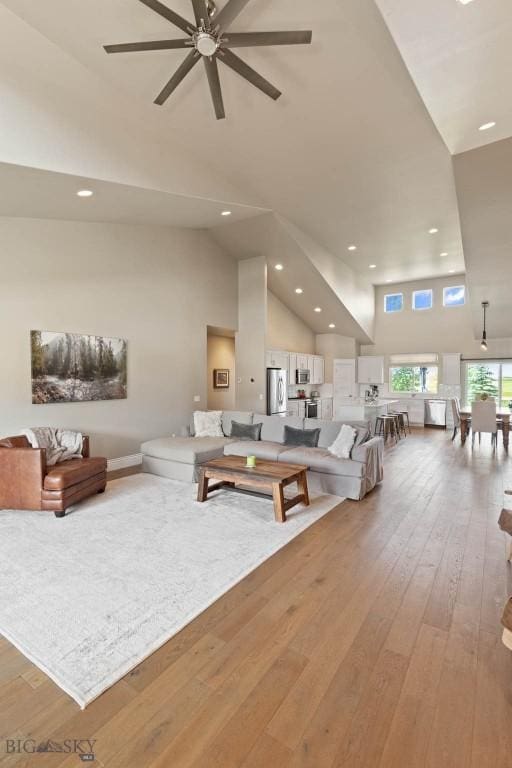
{"x":483,"y":344}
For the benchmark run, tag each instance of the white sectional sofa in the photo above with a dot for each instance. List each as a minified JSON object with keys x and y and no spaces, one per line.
{"x":180,"y":458}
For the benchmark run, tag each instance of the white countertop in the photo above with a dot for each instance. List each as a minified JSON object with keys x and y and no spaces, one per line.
{"x":379,"y":403}
{"x":361,"y":403}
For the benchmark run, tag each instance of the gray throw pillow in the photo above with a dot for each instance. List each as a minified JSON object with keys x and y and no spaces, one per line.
{"x":245,"y":431}
{"x":306,"y":437}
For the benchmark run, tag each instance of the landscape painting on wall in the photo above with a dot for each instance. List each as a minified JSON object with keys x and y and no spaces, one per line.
{"x":72,"y":368}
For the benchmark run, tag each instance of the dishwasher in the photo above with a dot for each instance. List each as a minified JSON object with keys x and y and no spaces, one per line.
{"x":435,"y":413}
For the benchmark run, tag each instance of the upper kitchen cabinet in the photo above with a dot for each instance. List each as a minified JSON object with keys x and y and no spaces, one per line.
{"x":318,"y":370}
{"x":293,"y":361}
{"x":302,"y":362}
{"x":292,"y":368}
{"x":278,"y":359}
{"x":370,"y":369}
{"x":451,"y":369}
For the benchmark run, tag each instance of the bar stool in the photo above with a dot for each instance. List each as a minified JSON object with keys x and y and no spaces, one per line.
{"x":396,"y":417}
{"x":405,"y":415}
{"x":386,"y":426}
{"x":401,"y":421}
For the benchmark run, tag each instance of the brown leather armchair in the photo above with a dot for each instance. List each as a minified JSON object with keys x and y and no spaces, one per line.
{"x":26,"y":483}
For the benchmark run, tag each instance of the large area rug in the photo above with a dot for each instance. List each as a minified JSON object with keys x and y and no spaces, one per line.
{"x":88,"y":597}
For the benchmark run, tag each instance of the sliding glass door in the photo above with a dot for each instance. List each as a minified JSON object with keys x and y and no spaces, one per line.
{"x":506,"y":384}
{"x":493,"y":378}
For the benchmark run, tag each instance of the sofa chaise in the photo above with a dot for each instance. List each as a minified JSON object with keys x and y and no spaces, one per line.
{"x":180,"y":458}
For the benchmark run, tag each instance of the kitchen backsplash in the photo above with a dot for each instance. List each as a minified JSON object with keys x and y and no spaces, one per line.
{"x":326,"y":390}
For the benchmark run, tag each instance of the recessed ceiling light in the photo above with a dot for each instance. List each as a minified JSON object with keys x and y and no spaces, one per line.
{"x":352,"y":248}
{"x":299,"y":290}
{"x":464,"y":2}
{"x":443,"y":254}
{"x":332,"y":325}
{"x":433,"y":231}
{"x":279,"y":267}
{"x":486,"y":126}
{"x":226,"y":213}
{"x":372,"y":266}
{"x":389,"y":281}
{"x":318,"y":309}
{"x":451,"y":271}
{"x":85,"y":193}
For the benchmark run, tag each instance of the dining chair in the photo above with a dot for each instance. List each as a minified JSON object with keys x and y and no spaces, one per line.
{"x":483,"y":419}
{"x":455,"y":404}
{"x":456,"y":417}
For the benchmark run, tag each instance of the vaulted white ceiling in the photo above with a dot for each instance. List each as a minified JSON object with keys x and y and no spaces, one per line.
{"x":349,"y":153}
{"x":357,"y":151}
{"x":484,"y":184}
{"x":38,"y":194}
{"x":460,"y":58}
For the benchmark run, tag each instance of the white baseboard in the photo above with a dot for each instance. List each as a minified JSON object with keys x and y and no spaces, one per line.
{"x":124,"y":461}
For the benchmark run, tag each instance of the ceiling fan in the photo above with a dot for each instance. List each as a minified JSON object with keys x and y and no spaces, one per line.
{"x":210,"y":40}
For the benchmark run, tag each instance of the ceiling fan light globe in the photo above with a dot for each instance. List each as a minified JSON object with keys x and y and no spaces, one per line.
{"x":206,"y":44}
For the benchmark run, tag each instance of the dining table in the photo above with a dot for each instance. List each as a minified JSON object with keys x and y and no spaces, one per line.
{"x":502,"y":419}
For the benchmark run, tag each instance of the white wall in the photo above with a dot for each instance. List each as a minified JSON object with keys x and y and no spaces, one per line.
{"x":332,"y":347}
{"x":285,"y":330}
{"x":250,"y":340}
{"x":158,"y":288}
{"x":221,"y":354}
{"x":440,"y":329}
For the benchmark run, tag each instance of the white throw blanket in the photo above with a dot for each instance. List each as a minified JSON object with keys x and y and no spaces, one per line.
{"x":59,"y":444}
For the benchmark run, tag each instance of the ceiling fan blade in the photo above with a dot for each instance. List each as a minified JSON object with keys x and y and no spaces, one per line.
{"x":248,"y":39}
{"x":229,"y":13}
{"x":212,"y":71}
{"x":171,"y":16}
{"x":178,"y":76}
{"x":154,"y":45}
{"x":240,"y":67}
{"x":200,"y":11}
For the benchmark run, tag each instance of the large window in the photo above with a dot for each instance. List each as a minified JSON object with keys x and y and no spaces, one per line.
{"x":493,"y":378}
{"x":414,"y":379}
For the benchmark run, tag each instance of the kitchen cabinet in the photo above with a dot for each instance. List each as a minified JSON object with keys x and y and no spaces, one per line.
{"x":302,"y":362}
{"x":292,"y":368}
{"x":326,"y":408}
{"x":451,"y":369}
{"x":415,"y":407}
{"x":277,"y":359}
{"x":359,"y":410}
{"x":370,"y":369}
{"x":296,"y":408}
{"x":318,"y":370}
{"x":344,"y":372}
{"x":291,"y":361}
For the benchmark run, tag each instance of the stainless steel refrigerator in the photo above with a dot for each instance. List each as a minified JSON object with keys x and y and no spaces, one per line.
{"x":277,"y":391}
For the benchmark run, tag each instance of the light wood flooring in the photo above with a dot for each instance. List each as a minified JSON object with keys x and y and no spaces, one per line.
{"x":373,"y":640}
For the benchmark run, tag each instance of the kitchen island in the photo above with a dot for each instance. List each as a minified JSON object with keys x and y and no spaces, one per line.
{"x":357,"y":409}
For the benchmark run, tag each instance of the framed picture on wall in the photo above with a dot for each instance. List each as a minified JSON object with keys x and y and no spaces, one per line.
{"x":221,"y":378}
{"x":76,"y":368}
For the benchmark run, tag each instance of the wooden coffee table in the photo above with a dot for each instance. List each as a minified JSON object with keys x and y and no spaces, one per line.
{"x":232,"y":471}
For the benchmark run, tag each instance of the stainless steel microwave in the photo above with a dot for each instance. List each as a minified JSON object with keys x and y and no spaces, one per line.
{"x":303,"y":376}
